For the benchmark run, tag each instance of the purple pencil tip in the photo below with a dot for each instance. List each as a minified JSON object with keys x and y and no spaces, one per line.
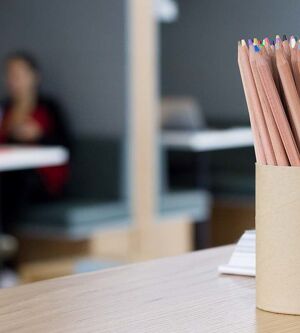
{"x":250,"y":42}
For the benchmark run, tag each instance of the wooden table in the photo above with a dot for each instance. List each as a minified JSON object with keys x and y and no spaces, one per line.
{"x":179,"y":294}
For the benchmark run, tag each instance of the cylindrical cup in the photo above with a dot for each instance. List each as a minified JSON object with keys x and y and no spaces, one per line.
{"x":278,"y":239}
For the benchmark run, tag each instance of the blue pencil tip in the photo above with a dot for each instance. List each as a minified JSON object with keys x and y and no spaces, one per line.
{"x":256,"y":48}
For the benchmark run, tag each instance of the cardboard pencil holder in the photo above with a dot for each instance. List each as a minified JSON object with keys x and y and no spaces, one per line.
{"x":278,"y":239}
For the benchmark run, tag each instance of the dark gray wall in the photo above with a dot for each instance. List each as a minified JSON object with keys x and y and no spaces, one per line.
{"x":81,"y":46}
{"x":199,"y":50}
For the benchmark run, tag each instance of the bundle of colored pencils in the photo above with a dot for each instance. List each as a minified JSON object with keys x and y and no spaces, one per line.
{"x":270,"y":74}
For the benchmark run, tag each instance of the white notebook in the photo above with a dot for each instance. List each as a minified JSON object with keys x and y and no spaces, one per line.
{"x":242,"y":261}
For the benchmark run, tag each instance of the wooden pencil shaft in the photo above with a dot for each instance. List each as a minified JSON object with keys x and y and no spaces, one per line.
{"x":290,"y":91}
{"x":297,"y":61}
{"x":280,"y":154}
{"x":258,"y":148}
{"x":296,"y":73}
{"x":261,"y":123}
{"x":287,"y":51}
{"x":268,"y":48}
{"x":276,"y":74}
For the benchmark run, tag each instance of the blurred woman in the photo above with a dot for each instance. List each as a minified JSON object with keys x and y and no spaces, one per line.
{"x":29,"y":118}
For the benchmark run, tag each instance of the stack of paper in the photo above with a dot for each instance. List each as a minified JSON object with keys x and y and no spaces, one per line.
{"x":242,"y":261}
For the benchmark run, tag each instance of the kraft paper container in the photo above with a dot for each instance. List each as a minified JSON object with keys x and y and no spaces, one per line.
{"x":278,"y":239}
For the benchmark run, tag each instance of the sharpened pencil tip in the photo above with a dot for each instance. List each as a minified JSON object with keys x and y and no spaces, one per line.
{"x":256,"y":48}
{"x":243,"y":42}
{"x":278,"y":40}
{"x":284,"y":37}
{"x":292,"y":42}
{"x":250,"y":42}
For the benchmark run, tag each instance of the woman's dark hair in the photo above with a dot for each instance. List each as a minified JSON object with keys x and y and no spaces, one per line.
{"x":29,"y":59}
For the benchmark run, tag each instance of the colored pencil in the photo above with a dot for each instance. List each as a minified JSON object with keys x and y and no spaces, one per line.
{"x":290,"y":92}
{"x":270,"y":75}
{"x":252,"y":105}
{"x":259,"y":116}
{"x":286,"y":49}
{"x":277,"y":145}
{"x":279,"y":115}
{"x":294,"y":63}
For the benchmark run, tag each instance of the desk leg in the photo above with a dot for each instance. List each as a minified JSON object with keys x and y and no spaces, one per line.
{"x":8,"y":243}
{"x":2,"y":239}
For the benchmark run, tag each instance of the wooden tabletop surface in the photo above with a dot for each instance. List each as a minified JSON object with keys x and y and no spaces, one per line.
{"x":179,"y":294}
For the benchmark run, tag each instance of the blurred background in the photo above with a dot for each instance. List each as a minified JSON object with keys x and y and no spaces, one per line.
{"x":124,"y":130}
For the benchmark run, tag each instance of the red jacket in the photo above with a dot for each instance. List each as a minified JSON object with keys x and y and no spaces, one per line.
{"x":47,"y":115}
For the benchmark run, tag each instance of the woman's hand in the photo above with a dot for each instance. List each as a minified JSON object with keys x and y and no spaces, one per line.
{"x":27,"y":131}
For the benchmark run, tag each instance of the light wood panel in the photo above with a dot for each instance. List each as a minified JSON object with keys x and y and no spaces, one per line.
{"x":165,"y":238}
{"x":40,"y":248}
{"x":143,"y":107}
{"x":46,"y":269}
{"x":42,"y":259}
{"x":178,"y":294}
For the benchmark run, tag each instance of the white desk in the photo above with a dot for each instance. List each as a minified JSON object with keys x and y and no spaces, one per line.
{"x":16,"y":157}
{"x":208,"y":139}
{"x":22,"y":157}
